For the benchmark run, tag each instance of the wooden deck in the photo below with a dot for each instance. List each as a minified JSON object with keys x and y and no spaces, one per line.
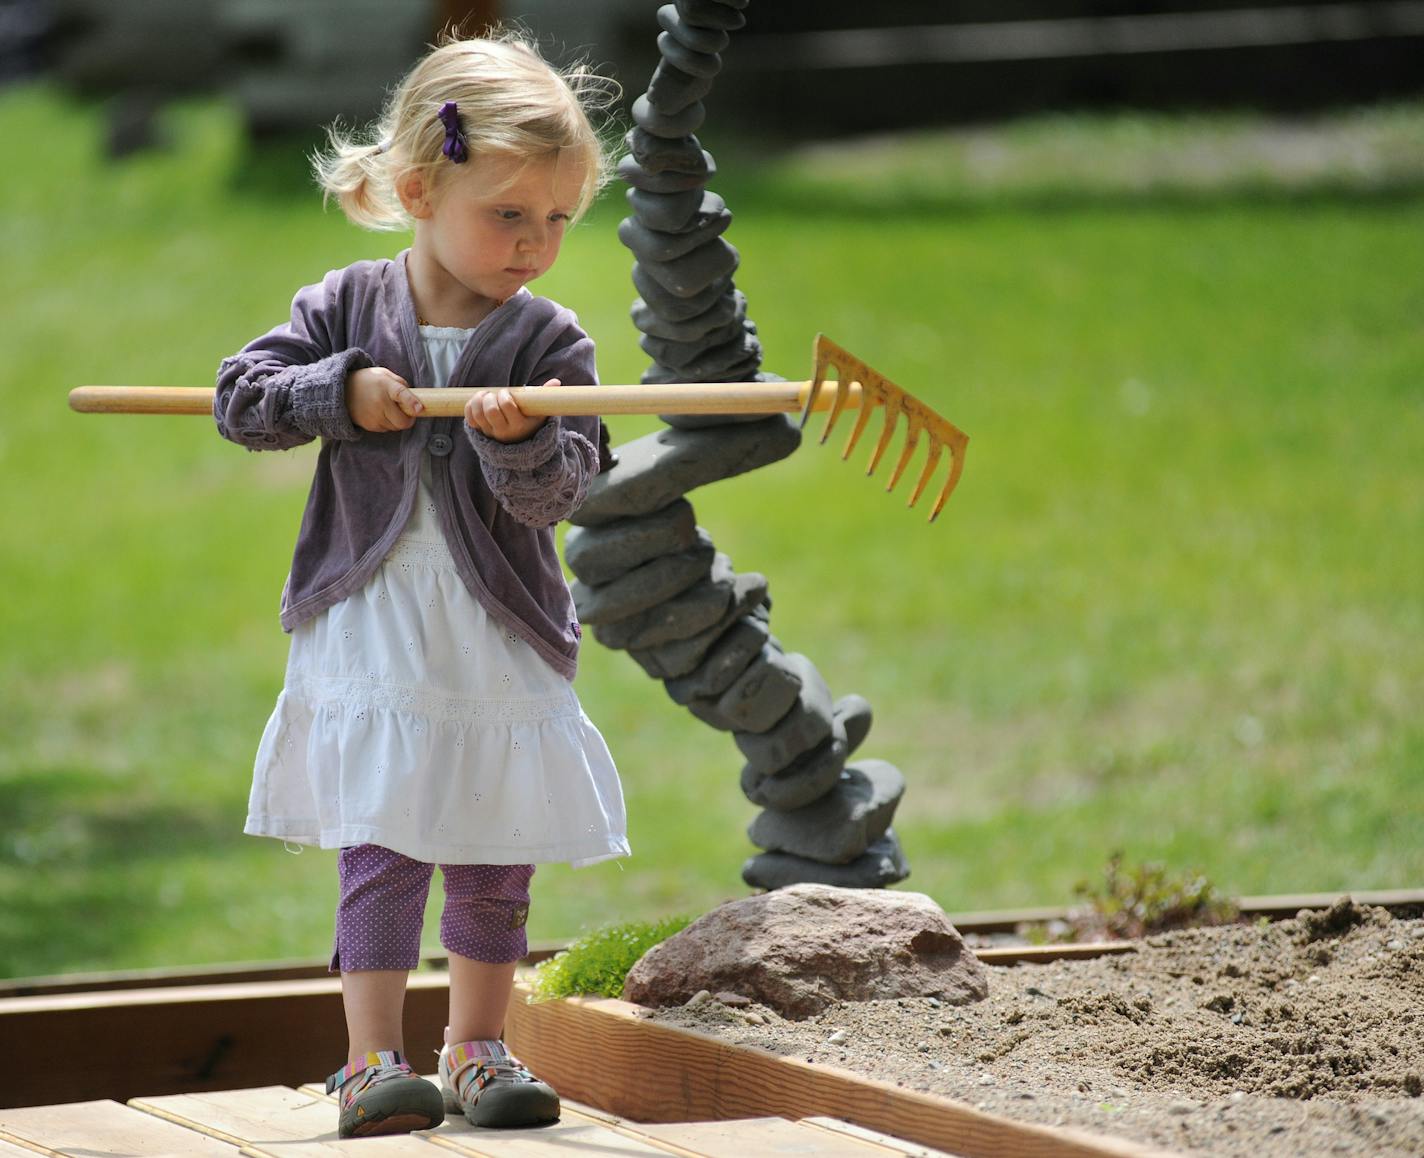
{"x":282,"y":1122}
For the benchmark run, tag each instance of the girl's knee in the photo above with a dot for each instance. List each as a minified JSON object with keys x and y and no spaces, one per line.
{"x":486,"y":911}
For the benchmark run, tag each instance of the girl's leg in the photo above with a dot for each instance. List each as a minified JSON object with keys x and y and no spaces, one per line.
{"x":483,"y":928}
{"x":378,"y":922}
{"x":479,"y":996}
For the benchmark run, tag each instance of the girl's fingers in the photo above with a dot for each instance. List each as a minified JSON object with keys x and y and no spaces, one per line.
{"x":402,"y":395}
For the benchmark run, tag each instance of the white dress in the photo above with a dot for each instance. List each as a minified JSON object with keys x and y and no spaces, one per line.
{"x":411,"y":719}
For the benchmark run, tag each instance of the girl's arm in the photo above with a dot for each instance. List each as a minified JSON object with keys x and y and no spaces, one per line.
{"x":289,"y":386}
{"x":545,"y":477}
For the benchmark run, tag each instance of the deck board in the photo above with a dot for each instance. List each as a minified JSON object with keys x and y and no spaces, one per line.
{"x":244,"y":1117}
{"x":105,"y":1129}
{"x":285,"y":1123}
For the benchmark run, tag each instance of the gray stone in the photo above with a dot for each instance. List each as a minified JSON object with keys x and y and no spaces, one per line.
{"x":882,"y":864}
{"x":601,"y":554}
{"x":730,"y":307}
{"x":672,"y":91}
{"x":644,"y":586}
{"x":710,"y":14}
{"x":764,"y":693}
{"x":706,"y":711}
{"x":669,"y":181}
{"x":658,"y":154}
{"x":733,"y":361}
{"x":675,"y":354}
{"x":805,"y":948}
{"x":744,"y":371}
{"x":668,"y":212}
{"x":654,"y":245}
{"x":704,"y":65}
{"x":854,"y":712}
{"x":843,"y":823}
{"x":679,"y":658}
{"x":694,"y":37}
{"x":807,"y":724}
{"x":729,"y":657}
{"x":809,"y":777}
{"x":683,"y":616}
{"x":693,"y":272}
{"x":682,"y":123}
{"x":654,"y":470}
{"x":678,"y":307}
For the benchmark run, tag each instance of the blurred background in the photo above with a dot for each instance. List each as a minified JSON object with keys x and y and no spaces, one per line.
{"x":1164,"y":263}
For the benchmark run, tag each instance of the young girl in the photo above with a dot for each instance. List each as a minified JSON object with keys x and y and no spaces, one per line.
{"x":427,"y":715}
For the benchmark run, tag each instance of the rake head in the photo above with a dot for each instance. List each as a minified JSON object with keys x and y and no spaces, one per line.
{"x":876,"y":390}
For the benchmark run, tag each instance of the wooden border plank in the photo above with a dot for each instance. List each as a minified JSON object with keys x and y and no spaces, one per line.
{"x":195,"y":1039}
{"x":588,"y":1047}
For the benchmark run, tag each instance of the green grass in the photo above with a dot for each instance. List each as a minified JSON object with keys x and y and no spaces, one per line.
{"x":1175,"y":608}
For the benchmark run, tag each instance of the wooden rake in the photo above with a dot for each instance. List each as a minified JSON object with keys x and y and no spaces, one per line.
{"x":854,"y":386}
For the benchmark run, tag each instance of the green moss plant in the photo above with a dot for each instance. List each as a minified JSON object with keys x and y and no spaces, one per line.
{"x":596,"y":964}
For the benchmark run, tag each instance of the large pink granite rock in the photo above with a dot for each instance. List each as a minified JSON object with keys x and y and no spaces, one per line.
{"x":802,"y":948}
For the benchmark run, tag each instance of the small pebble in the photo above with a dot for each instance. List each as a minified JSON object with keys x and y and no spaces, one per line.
{"x":1394,"y":943}
{"x":734,"y":999}
{"x":923,"y":1047}
{"x":837,"y":1038}
{"x":986,"y":1079}
{"x":1182,"y":1107}
{"x":934,"y":1065}
{"x":935,"y":1002}
{"x":1417,"y":932}
{"x":752,"y":1017}
{"x":701,"y":997}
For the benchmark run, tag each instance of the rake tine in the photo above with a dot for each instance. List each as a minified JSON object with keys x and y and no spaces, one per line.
{"x":843,"y":386}
{"x":891,"y":419}
{"x":818,"y":379}
{"x":956,"y":459}
{"x":912,"y":440}
{"x":930,"y":463}
{"x":867,"y":404}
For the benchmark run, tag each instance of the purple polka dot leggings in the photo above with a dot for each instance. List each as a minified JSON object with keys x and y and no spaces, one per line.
{"x":382,"y":908}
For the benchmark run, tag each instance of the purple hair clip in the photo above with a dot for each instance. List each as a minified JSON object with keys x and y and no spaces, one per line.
{"x":454,"y":139}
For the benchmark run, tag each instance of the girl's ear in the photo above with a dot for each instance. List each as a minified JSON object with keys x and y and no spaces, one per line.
{"x":414,"y":192}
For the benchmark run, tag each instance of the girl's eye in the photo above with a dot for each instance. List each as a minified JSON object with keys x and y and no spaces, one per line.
{"x":507,"y":214}
{"x":560,"y":218}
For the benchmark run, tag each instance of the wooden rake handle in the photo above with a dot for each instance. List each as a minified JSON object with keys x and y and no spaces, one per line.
{"x":672,"y":398}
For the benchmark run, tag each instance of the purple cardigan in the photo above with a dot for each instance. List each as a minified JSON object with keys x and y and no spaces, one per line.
{"x":497,"y":501}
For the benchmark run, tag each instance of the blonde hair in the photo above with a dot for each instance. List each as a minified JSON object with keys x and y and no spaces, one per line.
{"x":512,"y":102}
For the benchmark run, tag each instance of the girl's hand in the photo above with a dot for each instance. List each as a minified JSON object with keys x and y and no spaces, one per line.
{"x":496,"y":414}
{"x":379,"y":400}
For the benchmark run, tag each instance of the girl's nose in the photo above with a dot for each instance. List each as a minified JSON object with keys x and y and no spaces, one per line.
{"x":534,"y":238}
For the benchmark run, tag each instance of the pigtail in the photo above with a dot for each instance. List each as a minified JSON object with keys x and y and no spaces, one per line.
{"x":358,"y":175}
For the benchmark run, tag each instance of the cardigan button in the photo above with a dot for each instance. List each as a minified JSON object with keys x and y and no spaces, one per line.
{"x":441,"y":445}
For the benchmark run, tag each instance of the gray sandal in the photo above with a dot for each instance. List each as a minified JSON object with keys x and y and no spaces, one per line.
{"x":381,"y":1094}
{"x":489,"y":1085}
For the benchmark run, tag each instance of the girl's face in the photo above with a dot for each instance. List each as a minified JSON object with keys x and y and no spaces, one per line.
{"x":498,"y":222}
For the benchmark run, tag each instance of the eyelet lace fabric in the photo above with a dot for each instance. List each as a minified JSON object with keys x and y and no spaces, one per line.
{"x":412,"y":719}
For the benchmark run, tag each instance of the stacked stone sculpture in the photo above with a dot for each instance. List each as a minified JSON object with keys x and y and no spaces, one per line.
{"x":648,"y":579}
